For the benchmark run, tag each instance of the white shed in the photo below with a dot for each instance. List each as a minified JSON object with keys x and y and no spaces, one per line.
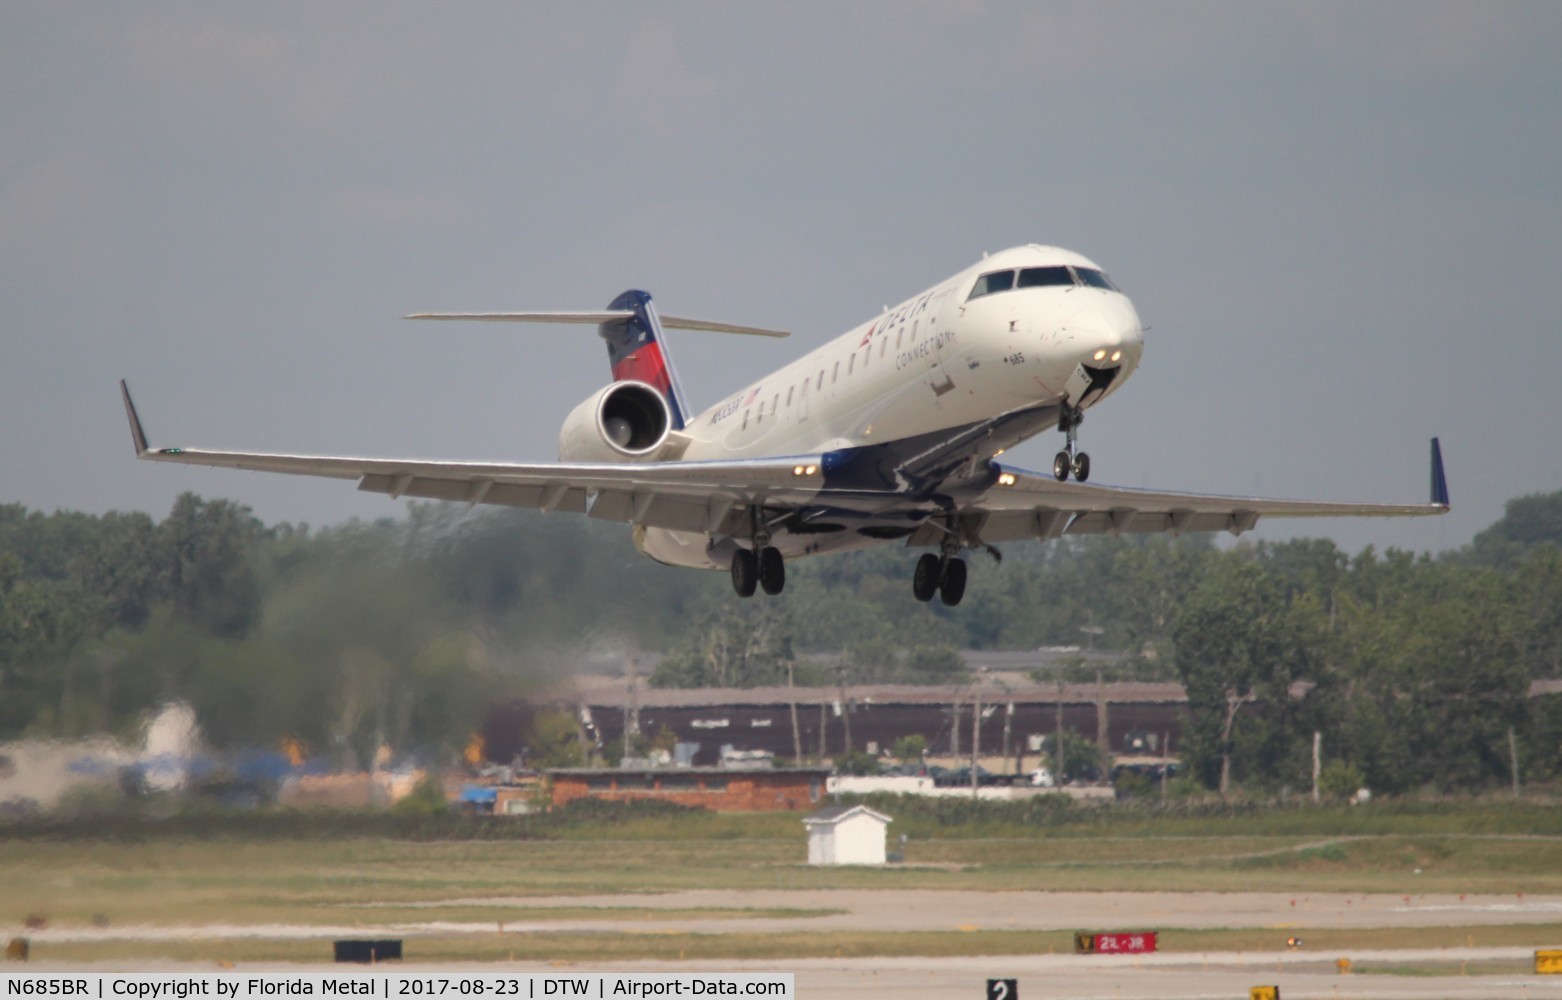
{"x":846,"y":835}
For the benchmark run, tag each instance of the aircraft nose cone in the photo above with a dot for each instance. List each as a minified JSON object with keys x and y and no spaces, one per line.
{"x":1099,"y":341}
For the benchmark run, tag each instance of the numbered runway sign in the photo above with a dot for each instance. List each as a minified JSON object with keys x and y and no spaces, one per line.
{"x":1003,"y":989}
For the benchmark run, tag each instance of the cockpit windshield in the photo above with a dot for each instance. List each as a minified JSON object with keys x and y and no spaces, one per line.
{"x":996,"y":281}
{"x":1037,"y":277}
{"x":1094,"y":278}
{"x":1059,"y":275}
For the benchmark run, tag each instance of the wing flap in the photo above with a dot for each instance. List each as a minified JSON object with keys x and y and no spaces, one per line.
{"x":1029,"y":505}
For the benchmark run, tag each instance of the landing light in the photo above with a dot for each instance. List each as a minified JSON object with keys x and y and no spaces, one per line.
{"x":1101,"y":354}
{"x":1117,"y":355}
{"x":1005,"y":479}
{"x":804,"y":470}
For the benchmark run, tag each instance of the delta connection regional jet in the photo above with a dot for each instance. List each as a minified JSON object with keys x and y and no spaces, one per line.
{"x":889,"y":432}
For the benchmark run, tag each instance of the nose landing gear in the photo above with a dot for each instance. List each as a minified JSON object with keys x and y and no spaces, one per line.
{"x":1070,"y":459}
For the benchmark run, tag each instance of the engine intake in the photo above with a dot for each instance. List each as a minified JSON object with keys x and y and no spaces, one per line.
{"x":625,"y":420}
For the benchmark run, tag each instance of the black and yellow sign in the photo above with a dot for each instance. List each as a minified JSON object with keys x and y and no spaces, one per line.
{"x":1548,"y":962}
{"x":1084,"y":944}
{"x":1003,"y":989}
{"x":1264,"y":993}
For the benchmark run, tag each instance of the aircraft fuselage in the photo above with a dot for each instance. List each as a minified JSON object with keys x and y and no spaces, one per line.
{"x":920,"y":397}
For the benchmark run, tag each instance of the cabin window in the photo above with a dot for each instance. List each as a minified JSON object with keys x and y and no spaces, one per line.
{"x":789,"y":395}
{"x":988,"y":284}
{"x":1042,"y":277}
{"x":835,"y":373}
{"x":898,"y":335}
{"x":851,"y":363}
{"x":745,"y":420}
{"x":821,"y":379}
{"x":775,"y":405}
{"x":883,"y":346}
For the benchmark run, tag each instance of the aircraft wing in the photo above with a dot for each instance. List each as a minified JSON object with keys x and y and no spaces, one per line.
{"x":685,"y":496}
{"x":710,"y":496}
{"x":1030,"y":505}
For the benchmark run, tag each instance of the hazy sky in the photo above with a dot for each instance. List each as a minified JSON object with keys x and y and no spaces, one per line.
{"x":1341,"y":221}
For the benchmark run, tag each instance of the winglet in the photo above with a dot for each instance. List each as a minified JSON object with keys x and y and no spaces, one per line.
{"x":137,"y":435}
{"x":1439,"y":481}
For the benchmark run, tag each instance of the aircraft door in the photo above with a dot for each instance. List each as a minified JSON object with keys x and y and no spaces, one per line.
{"x":935,"y":333}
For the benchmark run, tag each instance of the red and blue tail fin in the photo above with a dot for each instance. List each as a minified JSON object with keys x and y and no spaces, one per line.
{"x":635,"y":344}
{"x":637,"y":349}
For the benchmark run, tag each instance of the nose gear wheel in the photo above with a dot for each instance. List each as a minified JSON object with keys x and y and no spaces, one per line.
{"x":1070,"y":459}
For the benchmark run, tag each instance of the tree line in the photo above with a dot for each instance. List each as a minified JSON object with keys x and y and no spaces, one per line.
{"x":1415,"y":669}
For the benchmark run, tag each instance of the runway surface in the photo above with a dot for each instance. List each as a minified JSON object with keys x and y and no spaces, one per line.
{"x":1161,"y":976}
{"x":1184,"y":976}
{"x":932,"y":909}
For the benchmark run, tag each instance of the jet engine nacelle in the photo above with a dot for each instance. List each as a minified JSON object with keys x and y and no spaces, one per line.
{"x":624,"y":421}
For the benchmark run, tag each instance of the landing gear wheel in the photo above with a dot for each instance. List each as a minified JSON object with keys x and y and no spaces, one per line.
{"x":924,"y":581}
{"x":1060,"y":466}
{"x":1082,"y":467}
{"x":772,"y":570}
{"x":952,"y":588}
{"x":745,"y":572}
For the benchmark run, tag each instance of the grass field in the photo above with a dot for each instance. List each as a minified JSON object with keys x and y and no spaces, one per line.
{"x":232,"y":875}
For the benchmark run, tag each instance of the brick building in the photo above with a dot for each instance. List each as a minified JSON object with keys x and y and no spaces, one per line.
{"x":1000,"y":713}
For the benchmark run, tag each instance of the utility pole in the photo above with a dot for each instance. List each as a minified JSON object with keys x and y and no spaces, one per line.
{"x":1008,"y":720}
{"x":976,"y":737}
{"x":1057,"y":750}
{"x":1513,"y":760}
{"x":1317,"y":763}
{"x":1103,"y":723}
{"x":632,"y":711}
{"x":791,"y":697}
{"x":846,"y":709}
{"x":954,"y":729}
{"x":1165,"y":760}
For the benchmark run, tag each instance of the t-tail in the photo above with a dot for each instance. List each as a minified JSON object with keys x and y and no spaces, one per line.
{"x":637,"y":350}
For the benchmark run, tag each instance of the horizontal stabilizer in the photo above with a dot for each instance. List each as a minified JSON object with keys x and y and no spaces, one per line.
{"x":602,"y":316}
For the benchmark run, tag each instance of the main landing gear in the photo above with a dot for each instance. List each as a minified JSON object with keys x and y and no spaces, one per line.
{"x":943,"y":574}
{"x":1070,"y":459}
{"x":761,"y":566}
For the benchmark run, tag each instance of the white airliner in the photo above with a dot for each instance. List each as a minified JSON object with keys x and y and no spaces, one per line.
{"x":889,"y":432}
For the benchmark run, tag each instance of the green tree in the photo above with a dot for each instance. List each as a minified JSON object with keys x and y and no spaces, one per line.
{"x":556,"y":740}
{"x":910,"y":749}
{"x":1236,"y":644}
{"x":1526,"y":522}
{"x":210,"y":548}
{"x":738,"y":644}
